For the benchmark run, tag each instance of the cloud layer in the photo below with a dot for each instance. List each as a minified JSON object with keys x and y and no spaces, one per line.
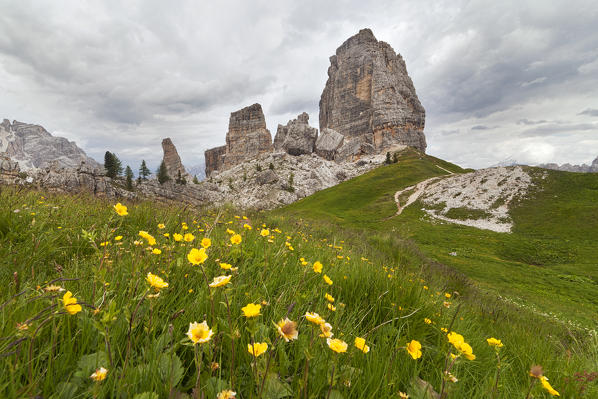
{"x":498,"y":79}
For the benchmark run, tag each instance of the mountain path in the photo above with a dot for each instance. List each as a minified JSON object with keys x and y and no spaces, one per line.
{"x":419,"y":189}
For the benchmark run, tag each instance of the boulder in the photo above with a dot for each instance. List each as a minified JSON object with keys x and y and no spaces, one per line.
{"x":266,"y":177}
{"x":369,"y":95}
{"x":297,"y":137}
{"x":328,"y":143}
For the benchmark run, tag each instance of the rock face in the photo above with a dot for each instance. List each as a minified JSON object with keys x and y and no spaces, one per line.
{"x":34,"y":147}
{"x":370,"y":99}
{"x":247,"y":137}
{"x":172,"y":160}
{"x":297,"y":137}
{"x":567,"y":167}
{"x":214,"y":158}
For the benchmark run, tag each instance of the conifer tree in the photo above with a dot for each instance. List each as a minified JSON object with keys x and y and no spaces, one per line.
{"x":108,"y":163}
{"x":195,"y":179}
{"x":144,"y":172}
{"x":112,"y":165}
{"x":129,"y":176}
{"x":162,"y":173}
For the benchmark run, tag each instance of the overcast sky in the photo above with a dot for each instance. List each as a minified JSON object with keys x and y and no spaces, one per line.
{"x":498,"y":79}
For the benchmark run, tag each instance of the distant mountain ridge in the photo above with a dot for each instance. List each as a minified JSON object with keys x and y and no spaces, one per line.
{"x":33,"y":147}
{"x":567,"y":167}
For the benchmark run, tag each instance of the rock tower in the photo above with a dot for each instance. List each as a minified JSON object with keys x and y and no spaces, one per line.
{"x":369,"y":97}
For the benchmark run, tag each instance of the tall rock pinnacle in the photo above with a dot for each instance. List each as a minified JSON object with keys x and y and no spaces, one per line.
{"x":369,"y":96}
{"x":174,"y":166}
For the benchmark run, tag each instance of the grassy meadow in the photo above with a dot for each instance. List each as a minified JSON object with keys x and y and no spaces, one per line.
{"x":392,"y":321}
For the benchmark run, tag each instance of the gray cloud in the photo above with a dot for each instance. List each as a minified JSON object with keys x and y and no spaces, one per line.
{"x":589,"y":112}
{"x":121,"y":76}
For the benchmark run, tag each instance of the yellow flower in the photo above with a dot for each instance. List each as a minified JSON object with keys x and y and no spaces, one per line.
{"x":427,"y":321}
{"x":156,"y":251}
{"x":447,"y":295}
{"x":495,"y":342}
{"x":220,"y":281}
{"x":257,"y":349}
{"x":265,"y":233}
{"x":227,"y":394}
{"x":225,"y":266}
{"x":199,"y":333}
{"x":455,"y":338}
{"x":403,"y":395}
{"x":251,"y":310}
{"x":188,"y":237}
{"x":337,"y":345}
{"x":184,"y":226}
{"x":121,"y":209}
{"x":287,"y":329}
{"x":150,"y":239}
{"x":331,"y":307}
{"x":70,"y":303}
{"x":177,"y":237}
{"x":118,"y":238}
{"x":443,"y":329}
{"x":327,"y":280}
{"x":414,"y":349}
{"x":156,"y":281}
{"x":197,"y":256}
{"x":360,"y":344}
{"x":459,"y":343}
{"x":318,"y":267}
{"x":206,"y":242}
{"x":99,"y":374}
{"x":247,"y":226}
{"x":326,"y":329}
{"x":236,"y":239}
{"x":161,"y":226}
{"x":329,"y":297}
{"x":546,"y":385}
{"x":314,"y":318}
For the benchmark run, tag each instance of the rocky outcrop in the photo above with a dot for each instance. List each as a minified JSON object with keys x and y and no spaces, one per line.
{"x":370,"y":99}
{"x":34,"y":147}
{"x":247,"y":137}
{"x":297,"y":137}
{"x":214,"y":159}
{"x":173,"y":163}
{"x":567,"y":167}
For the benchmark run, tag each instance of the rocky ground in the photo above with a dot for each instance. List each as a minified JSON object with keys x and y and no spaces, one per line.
{"x":479,"y":199}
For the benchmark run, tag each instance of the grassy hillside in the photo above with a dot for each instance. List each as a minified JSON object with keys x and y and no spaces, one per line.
{"x":377,"y":287}
{"x":549,"y":263}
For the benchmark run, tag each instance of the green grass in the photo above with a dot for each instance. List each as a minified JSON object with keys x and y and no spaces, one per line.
{"x":389,"y":275}
{"x":549,"y":263}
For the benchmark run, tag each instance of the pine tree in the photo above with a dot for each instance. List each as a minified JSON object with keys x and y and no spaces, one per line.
{"x":180,"y":179}
{"x":195,"y":179}
{"x":129,"y":176}
{"x":144,"y":172}
{"x":162,"y":173}
{"x":109,"y":163}
{"x":388,"y":161}
{"x":118,"y":167}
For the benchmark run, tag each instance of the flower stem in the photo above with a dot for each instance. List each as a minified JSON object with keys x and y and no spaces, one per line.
{"x":495,"y":388}
{"x":331,"y":380}
{"x":531,"y":385}
{"x":232,"y":342}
